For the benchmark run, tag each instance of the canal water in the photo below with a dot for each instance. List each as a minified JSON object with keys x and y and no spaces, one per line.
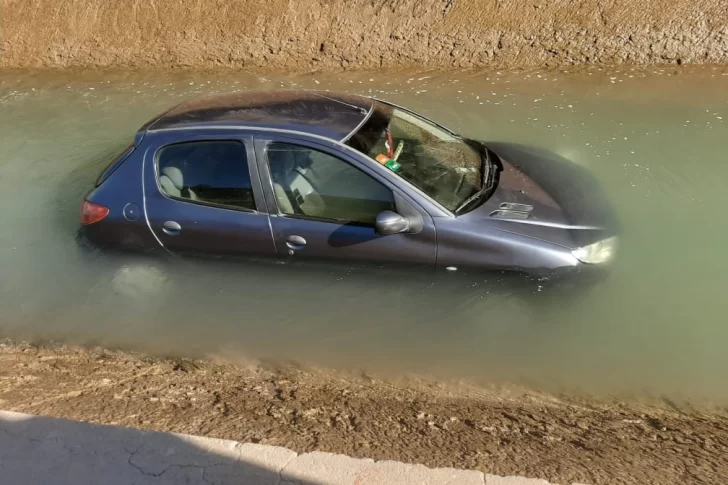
{"x":655,"y":138}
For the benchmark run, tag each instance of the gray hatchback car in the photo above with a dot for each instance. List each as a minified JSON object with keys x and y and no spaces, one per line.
{"x":318,"y":176}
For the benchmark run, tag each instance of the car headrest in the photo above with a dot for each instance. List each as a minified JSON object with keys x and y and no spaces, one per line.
{"x":175,"y":176}
{"x":282,"y":161}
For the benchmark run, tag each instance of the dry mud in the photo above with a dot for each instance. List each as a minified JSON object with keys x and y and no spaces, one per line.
{"x":335,"y":34}
{"x":504,"y":431}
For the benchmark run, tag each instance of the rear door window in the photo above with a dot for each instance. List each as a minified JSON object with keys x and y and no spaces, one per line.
{"x":207,"y":172}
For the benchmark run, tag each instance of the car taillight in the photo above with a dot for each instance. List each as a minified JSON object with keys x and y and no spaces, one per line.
{"x":91,"y":212}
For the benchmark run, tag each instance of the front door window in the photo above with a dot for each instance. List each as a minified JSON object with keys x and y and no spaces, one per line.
{"x":312,"y":184}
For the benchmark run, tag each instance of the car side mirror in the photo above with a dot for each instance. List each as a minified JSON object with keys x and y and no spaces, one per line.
{"x":389,"y":223}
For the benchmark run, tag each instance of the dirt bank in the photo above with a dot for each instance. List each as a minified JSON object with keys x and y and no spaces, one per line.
{"x":320,"y":34}
{"x":501,"y":431}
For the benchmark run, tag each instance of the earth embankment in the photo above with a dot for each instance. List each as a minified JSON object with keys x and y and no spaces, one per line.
{"x":365,"y":34}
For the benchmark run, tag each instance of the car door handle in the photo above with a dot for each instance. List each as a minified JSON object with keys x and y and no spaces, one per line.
{"x":171,"y":228}
{"x":295,"y":243}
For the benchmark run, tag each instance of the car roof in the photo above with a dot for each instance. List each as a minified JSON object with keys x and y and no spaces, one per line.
{"x":321,"y":113}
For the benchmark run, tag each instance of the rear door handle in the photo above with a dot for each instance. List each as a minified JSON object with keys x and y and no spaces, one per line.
{"x":295,"y":243}
{"x":171,"y":228}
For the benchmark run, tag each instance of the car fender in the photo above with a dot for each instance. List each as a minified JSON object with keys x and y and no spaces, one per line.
{"x":466,"y":245}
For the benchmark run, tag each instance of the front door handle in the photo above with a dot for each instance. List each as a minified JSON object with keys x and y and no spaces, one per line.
{"x":295,"y":243}
{"x":171,"y":228}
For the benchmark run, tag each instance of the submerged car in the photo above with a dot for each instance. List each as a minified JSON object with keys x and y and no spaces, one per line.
{"x":308,"y":175}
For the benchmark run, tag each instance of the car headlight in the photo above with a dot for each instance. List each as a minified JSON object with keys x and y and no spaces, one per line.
{"x":598,"y":253}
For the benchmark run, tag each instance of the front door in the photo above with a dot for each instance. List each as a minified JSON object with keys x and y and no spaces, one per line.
{"x":200,"y":198}
{"x":323,"y":208}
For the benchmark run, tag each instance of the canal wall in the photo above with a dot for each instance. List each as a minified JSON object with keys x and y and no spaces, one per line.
{"x":334,"y":34}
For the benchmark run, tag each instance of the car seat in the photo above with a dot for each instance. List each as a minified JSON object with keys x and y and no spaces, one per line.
{"x":294,"y":192}
{"x":172,"y":182}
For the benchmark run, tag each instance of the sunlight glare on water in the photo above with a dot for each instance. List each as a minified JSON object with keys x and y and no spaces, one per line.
{"x":655,"y":138}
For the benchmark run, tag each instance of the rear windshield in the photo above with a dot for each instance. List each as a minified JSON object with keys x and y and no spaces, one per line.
{"x":114,"y":164}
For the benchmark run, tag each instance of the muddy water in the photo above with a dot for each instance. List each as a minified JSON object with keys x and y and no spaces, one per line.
{"x":655,"y":138}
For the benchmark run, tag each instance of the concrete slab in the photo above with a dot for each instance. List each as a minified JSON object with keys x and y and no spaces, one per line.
{"x":405,"y":474}
{"x":38,"y":450}
{"x":325,"y":469}
{"x":496,"y":480}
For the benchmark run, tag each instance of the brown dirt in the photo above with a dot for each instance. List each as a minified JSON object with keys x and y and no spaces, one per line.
{"x":324,"y":34}
{"x":500,"y":431}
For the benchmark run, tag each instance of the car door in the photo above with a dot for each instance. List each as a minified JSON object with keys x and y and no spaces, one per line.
{"x":324,"y":203}
{"x":202,"y":196}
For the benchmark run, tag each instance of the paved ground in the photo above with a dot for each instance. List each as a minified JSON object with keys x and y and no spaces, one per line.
{"x":47,"y":451}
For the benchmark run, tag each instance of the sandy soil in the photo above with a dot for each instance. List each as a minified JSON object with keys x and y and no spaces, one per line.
{"x":325,"y":34}
{"x":501,"y":431}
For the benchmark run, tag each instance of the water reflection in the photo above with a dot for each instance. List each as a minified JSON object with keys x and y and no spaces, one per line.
{"x":657,"y":323}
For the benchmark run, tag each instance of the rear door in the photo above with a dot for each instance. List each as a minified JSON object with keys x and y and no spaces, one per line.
{"x":202,"y":195}
{"x":324,"y":203}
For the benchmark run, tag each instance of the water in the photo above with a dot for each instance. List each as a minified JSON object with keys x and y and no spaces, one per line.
{"x":655,"y":138}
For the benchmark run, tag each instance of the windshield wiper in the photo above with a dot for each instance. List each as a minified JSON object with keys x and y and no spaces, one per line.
{"x":476,"y":196}
{"x":485,"y":168}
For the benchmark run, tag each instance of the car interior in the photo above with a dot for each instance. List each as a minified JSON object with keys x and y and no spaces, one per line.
{"x":306,"y":182}
{"x":172,"y":182}
{"x":314,"y":184}
{"x":213,"y":172}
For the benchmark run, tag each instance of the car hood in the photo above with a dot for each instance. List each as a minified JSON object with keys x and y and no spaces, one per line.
{"x":542,"y":195}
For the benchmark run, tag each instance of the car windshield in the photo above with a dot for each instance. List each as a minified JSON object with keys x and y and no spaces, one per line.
{"x":446,"y":167}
